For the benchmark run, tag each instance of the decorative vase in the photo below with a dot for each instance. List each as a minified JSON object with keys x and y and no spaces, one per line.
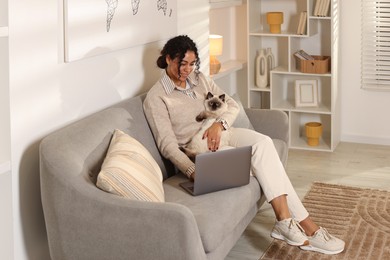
{"x":313,"y":133}
{"x":275,"y":20}
{"x":261,"y":75}
{"x":270,"y":63}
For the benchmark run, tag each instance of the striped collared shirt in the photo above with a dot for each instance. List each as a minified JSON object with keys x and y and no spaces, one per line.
{"x":169,"y":86}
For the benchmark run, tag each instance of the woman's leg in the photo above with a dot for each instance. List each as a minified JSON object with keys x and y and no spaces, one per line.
{"x":278,"y":190}
{"x":269,"y":171}
{"x":280,"y":207}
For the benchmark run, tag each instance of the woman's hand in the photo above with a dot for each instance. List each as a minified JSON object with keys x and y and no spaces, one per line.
{"x":192,"y":177}
{"x":213,"y":135}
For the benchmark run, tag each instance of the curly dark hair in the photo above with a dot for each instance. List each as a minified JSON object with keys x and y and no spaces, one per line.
{"x":176,"y":48}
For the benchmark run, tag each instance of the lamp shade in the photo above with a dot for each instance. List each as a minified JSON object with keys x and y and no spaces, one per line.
{"x":215,"y":44}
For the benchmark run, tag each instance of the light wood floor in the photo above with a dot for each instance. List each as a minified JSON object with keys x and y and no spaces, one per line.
{"x":358,"y":165}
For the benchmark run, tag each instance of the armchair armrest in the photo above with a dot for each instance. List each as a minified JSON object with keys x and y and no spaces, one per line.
{"x":84,"y":222}
{"x":273,"y":123}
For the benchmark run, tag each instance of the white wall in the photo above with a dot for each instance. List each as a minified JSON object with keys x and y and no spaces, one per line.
{"x":46,"y":93}
{"x":364,"y":113}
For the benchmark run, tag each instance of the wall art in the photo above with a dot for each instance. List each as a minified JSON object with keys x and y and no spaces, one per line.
{"x":94,"y":27}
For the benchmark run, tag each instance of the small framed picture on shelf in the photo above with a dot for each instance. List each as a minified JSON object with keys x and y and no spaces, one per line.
{"x":306,"y":93}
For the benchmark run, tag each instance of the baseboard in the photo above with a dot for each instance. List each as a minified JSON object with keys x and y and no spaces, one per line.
{"x":365,"y":139}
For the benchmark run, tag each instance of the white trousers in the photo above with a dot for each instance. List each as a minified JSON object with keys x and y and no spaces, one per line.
{"x":268,"y":169}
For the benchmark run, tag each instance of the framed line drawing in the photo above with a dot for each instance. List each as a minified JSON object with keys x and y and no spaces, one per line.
{"x":306,"y":93}
{"x":95,"y":27}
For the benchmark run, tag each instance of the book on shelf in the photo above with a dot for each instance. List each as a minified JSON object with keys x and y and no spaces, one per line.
{"x":302,"y":23}
{"x":327,"y":7}
{"x":301,"y":54}
{"x":321,"y":8}
{"x":317,"y":7}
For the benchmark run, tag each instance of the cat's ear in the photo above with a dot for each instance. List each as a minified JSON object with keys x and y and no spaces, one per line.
{"x":222,"y":97}
{"x":209,"y":95}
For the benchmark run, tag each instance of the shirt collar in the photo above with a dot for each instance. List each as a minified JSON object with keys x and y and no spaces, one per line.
{"x":169,"y":86}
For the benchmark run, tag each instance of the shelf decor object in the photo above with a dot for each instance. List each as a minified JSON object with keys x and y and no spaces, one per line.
{"x":275,"y":21}
{"x":215,"y":49}
{"x":234,"y":61}
{"x":301,"y":30}
{"x":321,"y":8}
{"x":320,"y":65}
{"x":270,"y":64}
{"x":313,"y":133}
{"x":261,"y":69}
{"x":265,"y":62}
{"x":306,"y":93}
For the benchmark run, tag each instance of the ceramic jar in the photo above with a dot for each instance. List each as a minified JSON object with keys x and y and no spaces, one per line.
{"x":275,"y":20}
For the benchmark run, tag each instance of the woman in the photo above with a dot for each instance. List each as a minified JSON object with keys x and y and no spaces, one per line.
{"x":171,"y":106}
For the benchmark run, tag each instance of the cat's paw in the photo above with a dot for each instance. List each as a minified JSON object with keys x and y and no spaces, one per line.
{"x":199,"y":118}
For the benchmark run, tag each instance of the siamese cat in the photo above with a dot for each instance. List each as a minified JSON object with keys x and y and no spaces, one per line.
{"x":215,"y":106}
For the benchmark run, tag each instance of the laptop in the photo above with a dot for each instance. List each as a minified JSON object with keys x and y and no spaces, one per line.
{"x":223,"y":169}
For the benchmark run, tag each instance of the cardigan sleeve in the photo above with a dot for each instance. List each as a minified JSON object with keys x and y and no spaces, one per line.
{"x":157,"y":115}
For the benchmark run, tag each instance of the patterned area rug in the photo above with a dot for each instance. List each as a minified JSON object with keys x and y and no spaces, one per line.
{"x":361,"y":217}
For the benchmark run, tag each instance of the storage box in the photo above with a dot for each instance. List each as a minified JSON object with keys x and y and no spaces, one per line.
{"x":320,"y":65}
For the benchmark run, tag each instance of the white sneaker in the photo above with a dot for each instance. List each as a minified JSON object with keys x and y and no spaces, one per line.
{"x":290,"y":231}
{"x":324,"y":242}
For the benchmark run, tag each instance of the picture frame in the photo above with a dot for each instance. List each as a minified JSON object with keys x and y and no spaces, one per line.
{"x":93,"y":27}
{"x":306,"y":93}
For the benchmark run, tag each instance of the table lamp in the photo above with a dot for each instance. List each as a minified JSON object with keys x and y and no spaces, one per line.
{"x":215,"y":49}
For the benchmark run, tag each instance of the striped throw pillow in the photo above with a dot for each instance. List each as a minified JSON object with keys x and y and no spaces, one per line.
{"x":130,"y":171}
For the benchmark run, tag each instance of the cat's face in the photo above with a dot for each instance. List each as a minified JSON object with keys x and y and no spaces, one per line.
{"x":214,"y":103}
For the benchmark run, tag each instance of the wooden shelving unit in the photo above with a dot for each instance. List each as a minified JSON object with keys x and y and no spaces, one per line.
{"x":321,"y":38}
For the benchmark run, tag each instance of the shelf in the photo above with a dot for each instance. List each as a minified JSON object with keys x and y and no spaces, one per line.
{"x":289,"y":105}
{"x":5,"y":167}
{"x":297,"y":130}
{"x":284,"y":70}
{"x":224,"y":3}
{"x":229,"y":67}
{"x":4,"y":31}
{"x":282,"y":34}
{"x":260,"y":89}
{"x":301,"y":143}
{"x":320,"y":17}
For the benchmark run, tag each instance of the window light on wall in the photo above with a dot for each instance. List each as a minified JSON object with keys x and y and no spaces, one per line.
{"x":375,"y":45}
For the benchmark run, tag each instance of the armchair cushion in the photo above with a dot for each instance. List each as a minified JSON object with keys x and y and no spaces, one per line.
{"x":242,"y":119}
{"x":130,"y":171}
{"x":217,"y":215}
